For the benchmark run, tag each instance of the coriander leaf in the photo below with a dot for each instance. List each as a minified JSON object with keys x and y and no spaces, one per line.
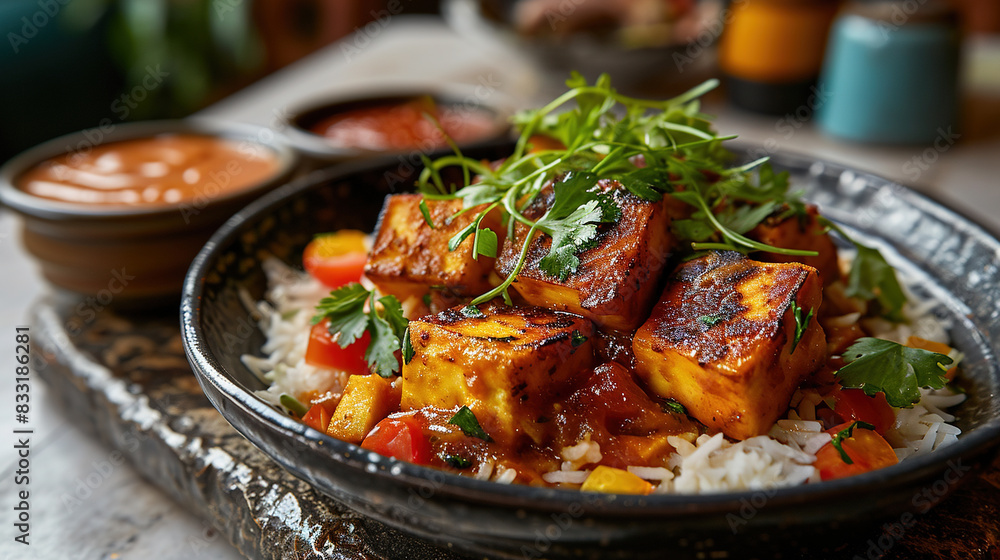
{"x":471,"y":311}
{"x":872,"y":278}
{"x":457,"y":461}
{"x":392,"y":310}
{"x":466,"y":420}
{"x":345,"y":309}
{"x":426,"y":213}
{"x":711,"y":320}
{"x":572,"y":220}
{"x":408,"y":351}
{"x":692,"y":230}
{"x":293,"y":404}
{"x":670,"y":405}
{"x":569,"y":237}
{"x":801,"y":323}
{"x":838,"y":439}
{"x":646,"y":183}
{"x":877,"y":365}
{"x":577,"y":339}
{"x":744,"y":218}
{"x":381,"y":352}
{"x":486,"y":243}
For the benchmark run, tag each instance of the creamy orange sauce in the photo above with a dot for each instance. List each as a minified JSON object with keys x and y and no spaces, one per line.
{"x":161,"y":170}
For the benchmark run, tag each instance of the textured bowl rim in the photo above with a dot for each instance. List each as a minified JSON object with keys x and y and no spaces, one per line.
{"x":498,"y":104}
{"x":30,"y":205}
{"x":485,"y":493}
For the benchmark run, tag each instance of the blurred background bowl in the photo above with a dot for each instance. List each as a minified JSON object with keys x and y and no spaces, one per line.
{"x":645,"y":45}
{"x":133,"y":255}
{"x":468,"y":117}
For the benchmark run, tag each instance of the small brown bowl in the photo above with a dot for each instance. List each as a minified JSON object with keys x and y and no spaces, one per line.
{"x":483,"y":100}
{"x":131,"y":256}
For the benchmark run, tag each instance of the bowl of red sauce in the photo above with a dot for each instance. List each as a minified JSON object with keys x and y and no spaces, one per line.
{"x":405,"y":122}
{"x":118,"y":213}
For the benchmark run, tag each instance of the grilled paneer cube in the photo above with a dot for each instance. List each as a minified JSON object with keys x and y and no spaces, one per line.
{"x":409,"y":257}
{"x":726,"y":342}
{"x":800,"y":232}
{"x":616,"y":282}
{"x":507,"y":364}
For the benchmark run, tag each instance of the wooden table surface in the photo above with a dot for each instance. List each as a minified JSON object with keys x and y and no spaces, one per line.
{"x":118,"y":515}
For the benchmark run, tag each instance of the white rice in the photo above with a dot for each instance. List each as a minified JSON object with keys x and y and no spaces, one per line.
{"x":285,"y":318}
{"x":782,"y":458}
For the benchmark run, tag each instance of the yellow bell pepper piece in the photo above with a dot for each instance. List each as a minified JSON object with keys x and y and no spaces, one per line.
{"x":615,"y":481}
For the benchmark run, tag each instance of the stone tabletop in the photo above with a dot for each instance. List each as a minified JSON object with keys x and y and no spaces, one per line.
{"x":88,"y":503}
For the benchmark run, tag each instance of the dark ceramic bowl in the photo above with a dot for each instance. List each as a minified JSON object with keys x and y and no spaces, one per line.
{"x":948,"y":257}
{"x":130,"y":255}
{"x":483,"y":100}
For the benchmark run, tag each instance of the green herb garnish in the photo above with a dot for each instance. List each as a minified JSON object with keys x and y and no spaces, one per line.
{"x":801,"y":323}
{"x":872,"y":278}
{"x":847,"y":432}
{"x":345,"y":309}
{"x":426,"y":213}
{"x":457,"y":461}
{"x":651,"y":147}
{"x":898,"y":371}
{"x":293,"y":404}
{"x":577,"y":339}
{"x":408,"y":351}
{"x":670,"y":405}
{"x":466,"y":420}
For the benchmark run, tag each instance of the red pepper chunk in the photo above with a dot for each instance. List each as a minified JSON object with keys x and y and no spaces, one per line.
{"x":322,"y":351}
{"x":401,"y":438}
{"x":317,"y":418}
{"x":854,"y":404}
{"x":866,"y":448}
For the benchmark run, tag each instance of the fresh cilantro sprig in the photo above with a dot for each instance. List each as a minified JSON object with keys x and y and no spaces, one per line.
{"x":801,"y":323}
{"x":466,"y":420}
{"x":352,"y":310}
{"x":872,"y":278}
{"x":882,"y":366}
{"x":838,"y":440}
{"x":651,"y":147}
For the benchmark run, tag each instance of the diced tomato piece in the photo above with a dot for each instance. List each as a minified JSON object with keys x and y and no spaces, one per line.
{"x":318,"y":418}
{"x":401,"y":438}
{"x":867,"y":450}
{"x":336,"y":259}
{"x":854,"y":404}
{"x":324,"y":352}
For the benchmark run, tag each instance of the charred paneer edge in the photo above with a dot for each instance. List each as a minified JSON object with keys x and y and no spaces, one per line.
{"x":409,"y":256}
{"x":616,"y":282}
{"x":507,"y":364}
{"x":803,"y":232}
{"x":720,"y":340}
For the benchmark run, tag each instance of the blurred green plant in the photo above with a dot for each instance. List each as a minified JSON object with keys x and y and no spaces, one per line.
{"x":204,"y":47}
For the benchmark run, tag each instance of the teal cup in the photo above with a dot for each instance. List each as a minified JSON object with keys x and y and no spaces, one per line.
{"x":891,"y":73}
